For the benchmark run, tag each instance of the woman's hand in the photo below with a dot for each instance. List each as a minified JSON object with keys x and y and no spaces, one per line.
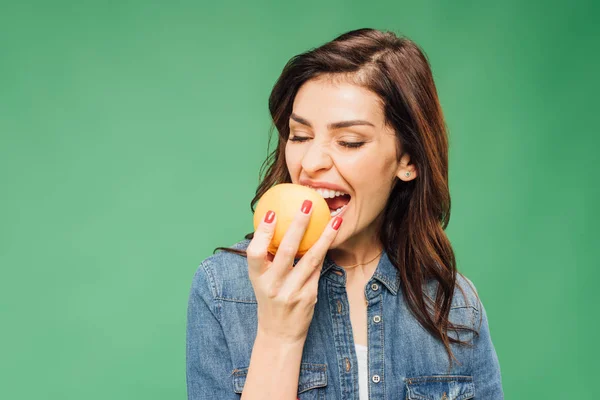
{"x":287,"y":294}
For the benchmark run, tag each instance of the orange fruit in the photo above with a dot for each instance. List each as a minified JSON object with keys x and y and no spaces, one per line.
{"x":286,"y":200}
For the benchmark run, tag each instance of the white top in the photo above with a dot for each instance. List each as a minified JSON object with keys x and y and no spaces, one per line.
{"x":363,"y":379}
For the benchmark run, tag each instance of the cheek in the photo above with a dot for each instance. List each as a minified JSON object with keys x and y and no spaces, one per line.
{"x":291,"y":160}
{"x":368,"y":179}
{"x":359,"y":170}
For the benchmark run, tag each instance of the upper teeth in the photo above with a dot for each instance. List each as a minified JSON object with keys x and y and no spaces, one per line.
{"x":327,"y":193}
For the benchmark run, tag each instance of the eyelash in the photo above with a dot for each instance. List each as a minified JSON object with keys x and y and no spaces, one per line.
{"x":350,"y":145}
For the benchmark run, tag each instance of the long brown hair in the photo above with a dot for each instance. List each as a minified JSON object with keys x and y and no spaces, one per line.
{"x":417,"y":211}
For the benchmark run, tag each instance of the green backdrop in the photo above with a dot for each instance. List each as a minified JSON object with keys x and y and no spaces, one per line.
{"x":132,"y":134}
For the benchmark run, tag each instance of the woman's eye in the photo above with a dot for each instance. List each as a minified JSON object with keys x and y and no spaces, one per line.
{"x":350,"y":145}
{"x":298,"y":139}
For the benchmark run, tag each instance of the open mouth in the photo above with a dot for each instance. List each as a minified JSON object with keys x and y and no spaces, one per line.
{"x":338,"y":204}
{"x":336,"y":201}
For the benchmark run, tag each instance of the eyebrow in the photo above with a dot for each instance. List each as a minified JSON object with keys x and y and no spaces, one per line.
{"x":333,"y":125}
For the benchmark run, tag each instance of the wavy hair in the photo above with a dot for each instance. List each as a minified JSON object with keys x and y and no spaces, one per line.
{"x":418,"y":211}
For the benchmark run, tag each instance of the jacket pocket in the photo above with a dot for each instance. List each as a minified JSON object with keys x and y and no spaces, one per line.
{"x":311,"y":381}
{"x":440,"y":387}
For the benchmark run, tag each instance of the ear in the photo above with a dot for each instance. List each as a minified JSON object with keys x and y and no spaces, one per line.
{"x":406,"y":172}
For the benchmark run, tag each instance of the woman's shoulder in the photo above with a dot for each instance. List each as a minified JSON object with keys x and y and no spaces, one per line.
{"x":465,"y":293}
{"x":466,"y":307}
{"x":226,"y":274}
{"x":228,"y":257}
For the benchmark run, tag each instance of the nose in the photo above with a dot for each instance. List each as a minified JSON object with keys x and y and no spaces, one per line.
{"x":316,"y":157}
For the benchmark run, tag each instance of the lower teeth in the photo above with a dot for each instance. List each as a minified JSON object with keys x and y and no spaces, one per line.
{"x":336,"y":212}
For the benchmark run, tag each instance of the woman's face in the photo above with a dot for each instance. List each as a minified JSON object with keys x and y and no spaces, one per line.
{"x":358,"y":157}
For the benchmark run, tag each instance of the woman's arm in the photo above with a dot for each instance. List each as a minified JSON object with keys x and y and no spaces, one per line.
{"x":274,"y":365}
{"x":486,"y":368}
{"x":274,"y":369}
{"x":286,"y":297}
{"x":208,"y":365}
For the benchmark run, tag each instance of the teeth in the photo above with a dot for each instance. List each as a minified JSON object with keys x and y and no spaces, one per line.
{"x":327,"y":193}
{"x":336,"y":212}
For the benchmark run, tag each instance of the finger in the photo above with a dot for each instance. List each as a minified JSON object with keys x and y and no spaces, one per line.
{"x":312,"y":283}
{"x":257,"y":250}
{"x":312,"y":262}
{"x":286,"y":252}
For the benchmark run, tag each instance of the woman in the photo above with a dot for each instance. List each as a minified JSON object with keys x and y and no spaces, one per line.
{"x":376,"y":308}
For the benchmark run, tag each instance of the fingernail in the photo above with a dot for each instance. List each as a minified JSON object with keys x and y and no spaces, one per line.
{"x":269,"y":217}
{"x":336,"y":223}
{"x":306,"y":206}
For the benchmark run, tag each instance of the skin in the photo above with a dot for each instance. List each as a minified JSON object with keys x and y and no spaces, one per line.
{"x":286,"y":299}
{"x":367,"y":173}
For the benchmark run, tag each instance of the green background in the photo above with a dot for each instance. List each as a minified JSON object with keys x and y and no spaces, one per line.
{"x":132,"y":134}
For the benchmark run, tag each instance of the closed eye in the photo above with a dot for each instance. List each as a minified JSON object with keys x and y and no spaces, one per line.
{"x":351,"y":145}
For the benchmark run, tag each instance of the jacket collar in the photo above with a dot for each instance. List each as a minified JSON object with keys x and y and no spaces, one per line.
{"x":385,"y":272}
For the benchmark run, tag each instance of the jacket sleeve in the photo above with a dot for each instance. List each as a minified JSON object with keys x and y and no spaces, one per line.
{"x":208,"y":365}
{"x":486,"y":368}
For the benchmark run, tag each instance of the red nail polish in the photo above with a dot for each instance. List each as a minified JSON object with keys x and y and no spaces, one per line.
{"x":336,"y":223}
{"x":306,"y":206}
{"x":269,"y":217}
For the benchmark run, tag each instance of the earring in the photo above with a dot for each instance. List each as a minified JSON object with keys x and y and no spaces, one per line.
{"x":407,"y":174}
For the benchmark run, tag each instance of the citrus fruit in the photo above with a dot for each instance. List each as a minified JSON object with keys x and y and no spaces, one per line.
{"x":285,"y":200}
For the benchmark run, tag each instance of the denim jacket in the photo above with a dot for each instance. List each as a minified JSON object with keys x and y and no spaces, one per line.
{"x":404,"y":360}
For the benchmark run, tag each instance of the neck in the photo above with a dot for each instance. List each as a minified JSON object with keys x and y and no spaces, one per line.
{"x":359,"y":250}
{"x":350,"y":255}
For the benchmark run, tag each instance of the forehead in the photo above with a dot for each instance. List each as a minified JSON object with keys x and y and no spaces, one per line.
{"x":322,"y":101}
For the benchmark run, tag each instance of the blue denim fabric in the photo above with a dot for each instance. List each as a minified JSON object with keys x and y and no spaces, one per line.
{"x":405,"y":361}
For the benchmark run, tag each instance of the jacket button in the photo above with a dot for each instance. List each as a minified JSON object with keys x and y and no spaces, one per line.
{"x":375,"y":286}
{"x":376,"y":319}
{"x":376,"y":378}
